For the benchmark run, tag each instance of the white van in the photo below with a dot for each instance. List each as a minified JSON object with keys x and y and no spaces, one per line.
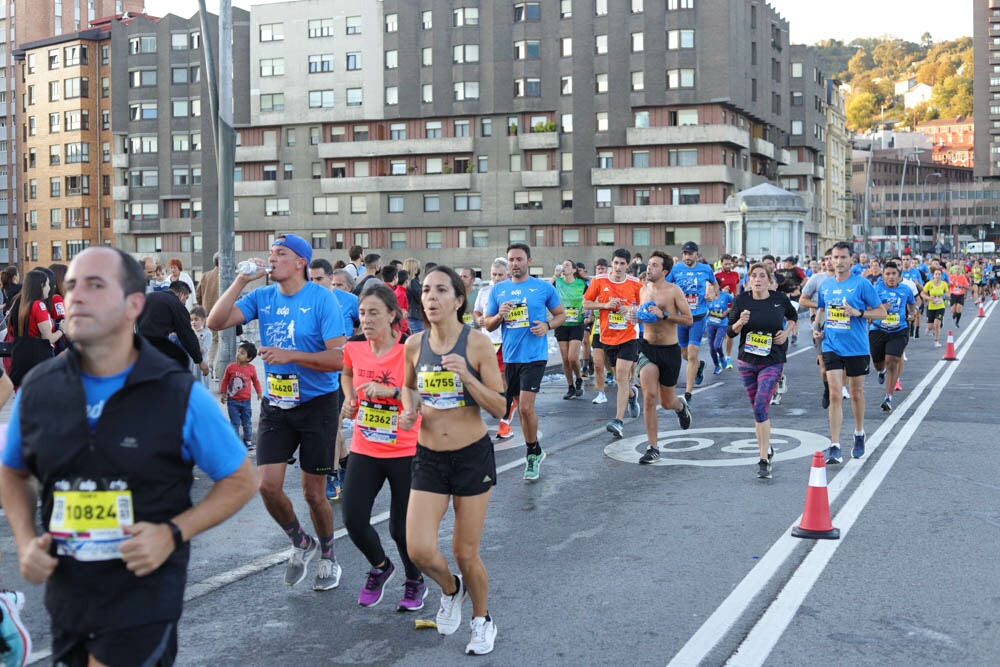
{"x":981,"y":248}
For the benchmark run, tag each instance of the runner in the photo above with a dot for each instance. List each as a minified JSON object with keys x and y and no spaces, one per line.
{"x":912,"y":273}
{"x":935,"y":291}
{"x":615,"y":296}
{"x":587,"y":360}
{"x":302,"y":335}
{"x":727,"y":277}
{"x":519,"y":305}
{"x":113,"y":424}
{"x":498,"y":274}
{"x":957,"y":286}
{"x":601,"y":378}
{"x":888,"y":337}
{"x":663,"y":309}
{"x":718,"y":317}
{"x":762,"y":318}
{"x":453,"y":371}
{"x":468,"y":277}
{"x":694,"y":279}
{"x":570,"y":335}
{"x":808,"y":300}
{"x":793,"y":278}
{"x":843,"y":303}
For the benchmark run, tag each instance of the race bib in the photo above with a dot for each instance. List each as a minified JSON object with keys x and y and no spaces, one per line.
{"x":517,"y":318}
{"x":440,"y":389}
{"x":758,"y":344}
{"x":468,"y":320}
{"x":497,"y":346}
{"x":572,"y":316}
{"x":692,"y":300}
{"x":617,"y":322}
{"x":836,"y":318}
{"x":937,"y":300}
{"x":88,"y":525}
{"x":891,"y":320}
{"x":283,"y":389}
{"x":378,"y":422}
{"x":715,"y":317}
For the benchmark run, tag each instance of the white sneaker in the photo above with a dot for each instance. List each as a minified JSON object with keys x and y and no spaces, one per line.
{"x":327,"y":575}
{"x":600,"y":398}
{"x":484,"y":632}
{"x":298,"y":562}
{"x":846,"y":393}
{"x":449,"y":615}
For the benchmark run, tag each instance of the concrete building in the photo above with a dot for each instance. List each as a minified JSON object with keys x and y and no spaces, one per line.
{"x":559,"y":126}
{"x":953,"y":140}
{"x":986,"y":87}
{"x":23,"y":22}
{"x":66,"y":171}
{"x":918,"y":94}
{"x":836,"y":187}
{"x":165,"y":189}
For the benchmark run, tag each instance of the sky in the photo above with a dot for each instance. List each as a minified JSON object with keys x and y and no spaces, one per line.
{"x":809,"y":21}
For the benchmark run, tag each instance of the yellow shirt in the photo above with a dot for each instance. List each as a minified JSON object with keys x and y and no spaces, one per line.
{"x":935,"y":295}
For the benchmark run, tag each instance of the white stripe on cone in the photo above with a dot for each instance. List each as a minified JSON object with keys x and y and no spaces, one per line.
{"x":817,"y":477}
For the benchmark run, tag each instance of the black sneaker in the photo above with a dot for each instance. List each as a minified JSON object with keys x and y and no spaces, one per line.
{"x":887,"y":404}
{"x":770,"y":454}
{"x":579,"y":387}
{"x":687,"y":397}
{"x":684,"y":414}
{"x":571,"y":393}
{"x":652,"y":455}
{"x":700,"y":376}
{"x":764,"y":469}
{"x":826,"y":396}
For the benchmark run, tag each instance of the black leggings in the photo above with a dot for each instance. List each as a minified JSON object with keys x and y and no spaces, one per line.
{"x":365,"y":477}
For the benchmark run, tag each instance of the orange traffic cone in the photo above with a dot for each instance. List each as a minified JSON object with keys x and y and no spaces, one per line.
{"x":949,"y":349}
{"x":982,"y":313}
{"x":816,"y":523}
{"x":994,"y":295}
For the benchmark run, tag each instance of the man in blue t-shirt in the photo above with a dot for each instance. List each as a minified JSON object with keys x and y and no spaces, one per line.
{"x":302,"y":337}
{"x":520,"y":305}
{"x":843,"y":303}
{"x":697,"y":281}
{"x":888,"y":337}
{"x":136,"y":552}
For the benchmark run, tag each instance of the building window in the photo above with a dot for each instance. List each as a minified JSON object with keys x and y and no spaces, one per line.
{"x":77,"y":153}
{"x":272,"y":102}
{"x":434,"y":240}
{"x":605,"y":236}
{"x":636,"y":6}
{"x":637,"y":42}
{"x":141,"y":44}
{"x":354,"y":97}
{"x":482,"y":164}
{"x":321,"y":63}
{"x":465,"y":16}
{"x":600,"y":7}
{"x":434,"y":165}
{"x":680,"y":4}
{"x":680,"y":78}
{"x":527,"y":49}
{"x":77,"y":87}
{"x":603,"y":197}
{"x":391,"y":22}
{"x":432,"y":203}
{"x":288,"y":171}
{"x":179,"y":41}
{"x":796,"y":70}
{"x":680,"y":39}
{"x":325,"y":205}
{"x":290,"y":139}
{"x":395,"y":203}
{"x":570,"y":237}
{"x":270,"y":172}
{"x":638,"y":81}
{"x":55,"y":185}
{"x":566,"y":85}
{"x":797,"y":127}
{"x":178,"y":75}
{"x":320,"y":99}
{"x":397,"y":240}
{"x":397,"y":131}
{"x":273,"y":207}
{"x":465,"y":53}
{"x":353,"y":61}
{"x":466,"y":90}
{"x":601,"y":44}
{"x":353,"y":25}
{"x":313,"y":136}
{"x":480,"y":238}
{"x":641,"y":197}
{"x":797,"y":99}
{"x":468,"y":202}
{"x":180,"y":108}
{"x":640,"y":159}
{"x":272,"y":32}
{"x":530,"y":200}
{"x":527,"y":88}
{"x":391,"y":95}
{"x":426,"y":56}
{"x":397,"y":167}
{"x":432,"y":129}
{"x":272,"y":67}
{"x":392,"y":59}
{"x":427,"y":93}
{"x":685,"y":196}
{"x":461,"y":128}
{"x":319,"y":28}
{"x":143,"y":78}
{"x":601,"y":83}
{"x":359,"y":204}
{"x":602,"y":121}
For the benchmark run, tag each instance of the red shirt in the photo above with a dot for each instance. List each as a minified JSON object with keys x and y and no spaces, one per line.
{"x":376,"y":427}
{"x":236,"y":382}
{"x":59,"y":310}
{"x":39,"y":314}
{"x":729,"y":279}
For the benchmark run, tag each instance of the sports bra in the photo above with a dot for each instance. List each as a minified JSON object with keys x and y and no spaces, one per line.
{"x":438,"y":388}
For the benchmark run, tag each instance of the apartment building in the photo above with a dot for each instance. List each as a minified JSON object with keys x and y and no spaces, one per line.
{"x":986,"y":87}
{"x":65,"y":133}
{"x":836,"y":187}
{"x":421,"y":130}
{"x":165,"y":188}
{"x":24,"y":22}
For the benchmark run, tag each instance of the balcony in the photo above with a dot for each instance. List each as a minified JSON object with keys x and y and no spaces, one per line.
{"x":540,"y":179}
{"x":140,"y":225}
{"x":358,"y":149}
{"x":687,"y":134}
{"x":763,"y":147}
{"x":536,"y":141}
{"x":119,"y":160}
{"x":256,"y":153}
{"x":119,"y":192}
{"x":175,"y":225}
{"x":120,"y":226}
{"x":784,"y":156}
{"x":255,"y":188}
{"x":715,"y":173}
{"x":334,"y":186}
{"x":691,"y":213}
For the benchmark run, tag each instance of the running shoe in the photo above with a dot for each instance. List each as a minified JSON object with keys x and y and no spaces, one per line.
{"x":327,"y":575}
{"x":795,"y":339}
{"x":729,"y":363}
{"x":687,"y":397}
{"x":532,"y":462}
{"x":826,"y":396}
{"x":859,"y":446}
{"x":937,"y":343}
{"x":684,"y":414}
{"x":763,"y":469}
{"x":571,"y":393}
{"x":652,"y":455}
{"x":633,"y":408}
{"x":782,"y":385}
{"x":718,"y":368}
{"x":700,"y":377}
{"x":579,"y":387}
{"x":504,"y":431}
{"x":600,"y":399}
{"x":887,"y":404}
{"x":609,"y":378}
{"x":833,"y":455}
{"x":299,"y":561}
{"x":776,"y":399}
{"x":770,"y":453}
{"x":846,"y":393}
{"x":333,"y":487}
{"x":881,"y":375}
{"x":374,"y":588}
{"x":249,"y":445}
{"x":13,"y":632}
{"x":484,"y":632}
{"x":616,"y":428}
{"x":449,"y":615}
{"x":414,"y":592}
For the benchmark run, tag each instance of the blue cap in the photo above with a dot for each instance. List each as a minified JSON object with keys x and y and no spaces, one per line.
{"x":296,"y":244}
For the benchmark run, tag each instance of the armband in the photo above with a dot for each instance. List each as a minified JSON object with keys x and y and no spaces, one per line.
{"x":178,"y":536}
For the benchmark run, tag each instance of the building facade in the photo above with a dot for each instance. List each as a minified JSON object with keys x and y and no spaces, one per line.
{"x":836,"y":187}
{"x":986,"y":87}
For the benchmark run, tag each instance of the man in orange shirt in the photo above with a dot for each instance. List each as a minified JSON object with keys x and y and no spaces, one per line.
{"x":957,"y":285}
{"x":615,"y":296}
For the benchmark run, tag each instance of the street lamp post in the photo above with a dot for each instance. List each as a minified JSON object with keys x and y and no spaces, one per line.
{"x":743,"y":226}
{"x":902,"y":179}
{"x":938,"y":175}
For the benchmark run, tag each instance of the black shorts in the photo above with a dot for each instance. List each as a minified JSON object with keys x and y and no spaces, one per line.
{"x":936,"y":314}
{"x":958,"y":298}
{"x":524,"y":377}
{"x":152,"y":644}
{"x":311,"y":428}
{"x":667,"y":358}
{"x":627,"y":351}
{"x":564,"y":334}
{"x":855,"y":366}
{"x":595,"y":339}
{"x":470,"y":471}
{"x":883,"y":343}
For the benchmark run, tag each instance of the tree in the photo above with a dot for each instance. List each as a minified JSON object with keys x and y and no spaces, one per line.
{"x":862,"y":110}
{"x":860,"y":63}
{"x":928,"y":73}
{"x":925,"y":41}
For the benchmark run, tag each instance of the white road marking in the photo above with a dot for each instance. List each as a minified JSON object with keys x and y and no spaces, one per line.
{"x":715,"y":628}
{"x":625,"y":450}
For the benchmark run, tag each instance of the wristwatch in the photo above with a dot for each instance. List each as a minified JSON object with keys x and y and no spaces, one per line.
{"x":395,"y":394}
{"x":178,"y":536}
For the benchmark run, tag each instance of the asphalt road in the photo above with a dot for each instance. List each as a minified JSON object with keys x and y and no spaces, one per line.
{"x":685,"y":562}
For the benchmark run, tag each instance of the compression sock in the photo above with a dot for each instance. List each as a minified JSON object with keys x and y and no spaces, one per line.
{"x":326,"y":547}
{"x":295,"y":533}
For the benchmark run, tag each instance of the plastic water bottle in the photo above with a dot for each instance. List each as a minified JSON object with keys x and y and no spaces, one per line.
{"x":247,"y":267}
